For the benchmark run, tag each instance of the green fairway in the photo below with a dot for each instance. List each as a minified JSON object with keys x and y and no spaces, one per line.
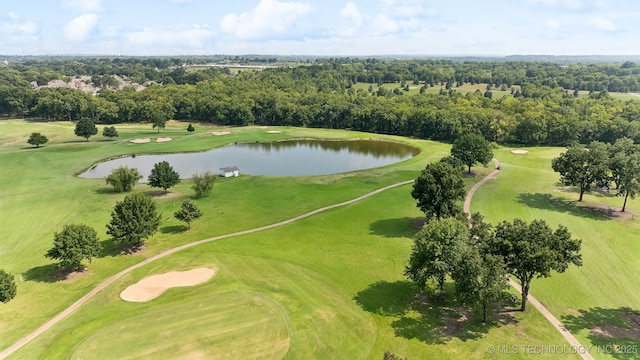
{"x":607,"y":283}
{"x":328,"y":286}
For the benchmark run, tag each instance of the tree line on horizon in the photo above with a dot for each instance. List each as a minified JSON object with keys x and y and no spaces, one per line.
{"x":541,"y":111}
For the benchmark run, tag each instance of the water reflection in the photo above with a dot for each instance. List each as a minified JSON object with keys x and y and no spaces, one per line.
{"x":283,"y":158}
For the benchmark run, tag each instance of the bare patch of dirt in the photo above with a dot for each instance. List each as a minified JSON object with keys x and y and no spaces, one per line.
{"x":274,"y":132}
{"x":163,"y":139}
{"x":616,"y":332}
{"x":419,"y":223}
{"x":519,"y":152}
{"x":140,"y":141}
{"x":220,"y":133}
{"x":160,"y":194}
{"x":607,"y":210}
{"x":68,"y":274}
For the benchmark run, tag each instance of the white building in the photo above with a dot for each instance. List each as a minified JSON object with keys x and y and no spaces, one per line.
{"x":229,"y":171}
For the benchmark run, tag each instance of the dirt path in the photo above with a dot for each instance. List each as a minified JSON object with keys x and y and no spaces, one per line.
{"x":532,"y":300}
{"x":22,"y":342}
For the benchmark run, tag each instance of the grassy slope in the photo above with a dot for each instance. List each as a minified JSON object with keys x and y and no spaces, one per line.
{"x":607,"y":283}
{"x":335,"y":282}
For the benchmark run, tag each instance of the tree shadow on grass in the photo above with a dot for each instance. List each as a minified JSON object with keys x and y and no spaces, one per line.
{"x":174,"y":229}
{"x":611,"y":331}
{"x":405,"y":227}
{"x":551,"y":203}
{"x":110,"y":248}
{"x":49,"y":273}
{"x":426,"y":317}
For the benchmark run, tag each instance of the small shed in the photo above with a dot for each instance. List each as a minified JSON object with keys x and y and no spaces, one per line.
{"x":229,"y":171}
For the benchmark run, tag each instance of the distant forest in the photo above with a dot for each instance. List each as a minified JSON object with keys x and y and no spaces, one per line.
{"x":541,"y":101}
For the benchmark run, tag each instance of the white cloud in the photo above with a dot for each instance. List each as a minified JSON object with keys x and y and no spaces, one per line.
{"x":601,"y":23}
{"x":80,"y":28}
{"x":83,"y":5}
{"x":352,"y":13}
{"x":194,"y":36}
{"x":269,"y":17}
{"x":15,"y":27}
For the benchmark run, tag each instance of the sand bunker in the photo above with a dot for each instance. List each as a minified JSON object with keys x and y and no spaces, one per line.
{"x":140,"y":141}
{"x":519,"y":152}
{"x":274,"y":131}
{"x":153,"y":286}
{"x":163,"y":139}
{"x":218,"y":133}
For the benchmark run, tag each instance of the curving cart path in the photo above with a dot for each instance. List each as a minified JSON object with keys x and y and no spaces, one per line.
{"x":22,"y":342}
{"x":467,"y":204}
{"x":580,"y":349}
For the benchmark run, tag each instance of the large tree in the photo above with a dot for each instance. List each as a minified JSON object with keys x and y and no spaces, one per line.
{"x":533,"y":250}
{"x":8,"y":288}
{"x":76,"y":242}
{"x":123,"y":178}
{"x":438,"y":190}
{"x":85,"y":128}
{"x":188,"y":212}
{"x":629,"y":180}
{"x":163,"y":176}
{"x":134,"y":219}
{"x":583,"y":166}
{"x":37,"y":139}
{"x":471,"y":149}
{"x":436,"y":251}
{"x":203,"y":184}
{"x":619,"y":152}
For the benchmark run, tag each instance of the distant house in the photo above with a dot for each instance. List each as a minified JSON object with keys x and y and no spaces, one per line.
{"x":229,"y":171}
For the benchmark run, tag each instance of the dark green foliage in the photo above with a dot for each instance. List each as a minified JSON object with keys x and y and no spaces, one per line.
{"x":629,"y":182}
{"x":188,"y":212}
{"x":471,"y":149}
{"x":76,"y":242}
{"x":37,"y":139}
{"x":203,"y":184}
{"x":134,"y":219}
{"x":533,"y":250}
{"x":581,"y":166}
{"x":163,"y":176}
{"x":480,"y":279}
{"x":436,"y":250}
{"x":190,"y":128}
{"x":123,"y":178}
{"x":8,"y":288}
{"x":110,"y":132}
{"x":454,"y":162}
{"x":85,"y":128}
{"x":438,"y":190}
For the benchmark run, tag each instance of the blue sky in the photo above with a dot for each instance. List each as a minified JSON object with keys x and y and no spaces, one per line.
{"x":320,"y":27}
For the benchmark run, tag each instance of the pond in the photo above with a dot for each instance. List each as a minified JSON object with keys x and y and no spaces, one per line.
{"x":281,"y":158}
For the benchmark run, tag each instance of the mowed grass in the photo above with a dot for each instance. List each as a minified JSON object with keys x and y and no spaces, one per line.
{"x":335,"y":276}
{"x":605,"y":289}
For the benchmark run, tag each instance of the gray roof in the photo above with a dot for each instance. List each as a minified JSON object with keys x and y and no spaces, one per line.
{"x":230,"y":168}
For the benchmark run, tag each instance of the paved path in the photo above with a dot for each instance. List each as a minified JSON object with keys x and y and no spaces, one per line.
{"x":532,"y":300}
{"x":22,"y":342}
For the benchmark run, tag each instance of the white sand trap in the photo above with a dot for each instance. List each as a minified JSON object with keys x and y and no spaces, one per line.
{"x":219,"y":133}
{"x":153,"y":286}
{"x":519,"y":152}
{"x":163,"y":139}
{"x":140,"y":141}
{"x":274,"y":131}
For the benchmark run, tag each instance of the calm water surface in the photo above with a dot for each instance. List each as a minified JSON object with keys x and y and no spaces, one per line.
{"x":283,"y":158}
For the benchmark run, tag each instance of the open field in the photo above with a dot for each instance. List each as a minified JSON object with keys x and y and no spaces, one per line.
{"x":329,"y":286}
{"x":415,"y":89}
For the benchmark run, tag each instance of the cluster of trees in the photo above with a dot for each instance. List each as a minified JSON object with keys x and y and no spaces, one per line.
{"x":325,"y":95}
{"x":600,"y":164}
{"x":475,"y":255}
